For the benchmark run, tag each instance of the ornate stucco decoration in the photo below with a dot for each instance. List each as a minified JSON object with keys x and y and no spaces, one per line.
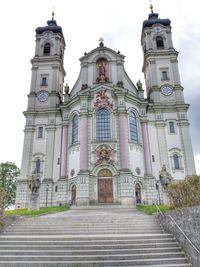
{"x":104,"y":153}
{"x":102,"y":100}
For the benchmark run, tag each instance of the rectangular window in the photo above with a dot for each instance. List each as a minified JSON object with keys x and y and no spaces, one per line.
{"x":44,"y":81}
{"x":164,"y":76}
{"x":171,"y":127}
{"x":153,"y":158}
{"x":40,"y":132}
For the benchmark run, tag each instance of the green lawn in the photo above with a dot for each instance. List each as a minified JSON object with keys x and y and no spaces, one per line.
{"x":150,"y":209}
{"x":41,"y":211}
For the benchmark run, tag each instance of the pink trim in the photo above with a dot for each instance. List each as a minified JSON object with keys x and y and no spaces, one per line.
{"x":123,"y":142}
{"x":147,"y":155}
{"x":84,"y":143}
{"x":64,"y":151}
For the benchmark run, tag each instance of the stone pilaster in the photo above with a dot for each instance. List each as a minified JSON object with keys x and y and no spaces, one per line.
{"x":123,"y":141}
{"x":50,"y":151}
{"x":146,"y":148}
{"x":64,"y":151}
{"x":84,"y":142}
{"x":187,"y":148}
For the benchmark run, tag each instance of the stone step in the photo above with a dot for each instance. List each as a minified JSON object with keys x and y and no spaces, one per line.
{"x":88,"y":264}
{"x":88,"y":243}
{"x":66,"y":227}
{"x":85,"y":262}
{"x":85,"y":252}
{"x":62,"y":245}
{"x":103,"y":256}
{"x":88,"y":232}
{"x":88,"y":237}
{"x":134,"y":239}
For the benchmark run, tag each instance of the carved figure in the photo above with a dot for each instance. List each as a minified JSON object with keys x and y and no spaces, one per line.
{"x":66,"y":89}
{"x":34,"y":182}
{"x":102,"y":71}
{"x":164,"y":176}
{"x":139,"y":85}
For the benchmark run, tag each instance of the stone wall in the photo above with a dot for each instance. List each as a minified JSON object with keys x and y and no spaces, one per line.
{"x":188,"y":220}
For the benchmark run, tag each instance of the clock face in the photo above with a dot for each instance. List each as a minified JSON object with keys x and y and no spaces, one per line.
{"x":43,"y":96}
{"x":166,"y":90}
{"x":157,"y":29}
{"x":48,"y":35}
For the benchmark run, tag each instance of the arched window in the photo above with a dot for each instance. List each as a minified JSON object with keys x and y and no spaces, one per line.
{"x":176,"y":162}
{"x":37,"y":165}
{"x":47,"y":49}
{"x":159,"y":42}
{"x":103,"y":132}
{"x":133,"y":128}
{"x":75,"y":129}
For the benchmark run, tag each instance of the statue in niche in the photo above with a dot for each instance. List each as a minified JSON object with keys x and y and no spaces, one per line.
{"x":101,"y":64}
{"x":165,"y":177}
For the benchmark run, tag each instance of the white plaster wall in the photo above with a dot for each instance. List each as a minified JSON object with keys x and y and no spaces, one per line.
{"x":74,"y":160}
{"x":136,"y":159}
{"x":154,"y":149}
{"x":57,"y":153}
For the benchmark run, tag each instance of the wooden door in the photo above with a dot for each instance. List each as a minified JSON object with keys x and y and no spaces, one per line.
{"x":138,"y":194}
{"x":105,"y":190}
{"x":73,"y":194}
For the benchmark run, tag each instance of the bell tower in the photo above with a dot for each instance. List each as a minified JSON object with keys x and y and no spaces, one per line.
{"x":160,"y":64}
{"x":42,"y":134}
{"x":167,"y":110}
{"x":47,"y":67}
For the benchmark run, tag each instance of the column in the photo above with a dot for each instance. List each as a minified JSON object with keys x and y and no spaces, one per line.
{"x":123,"y":141}
{"x":64,"y":151}
{"x":146,"y":147}
{"x":84,"y":142}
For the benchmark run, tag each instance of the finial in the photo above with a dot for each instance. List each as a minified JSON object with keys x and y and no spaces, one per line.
{"x":53,"y":14}
{"x":151,"y":6}
{"x":101,"y":40}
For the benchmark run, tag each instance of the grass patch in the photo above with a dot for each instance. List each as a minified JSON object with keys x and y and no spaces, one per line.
{"x":150,"y":209}
{"x":41,"y":211}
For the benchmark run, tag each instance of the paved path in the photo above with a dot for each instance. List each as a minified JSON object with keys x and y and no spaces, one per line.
{"x":93,"y":236}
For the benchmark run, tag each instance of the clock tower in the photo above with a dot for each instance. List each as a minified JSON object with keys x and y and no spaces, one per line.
{"x":47,"y":67}
{"x":42,"y":143}
{"x":160,"y":64}
{"x":167,"y":109}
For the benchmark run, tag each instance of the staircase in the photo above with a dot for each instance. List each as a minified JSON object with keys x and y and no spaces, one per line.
{"x":86,"y":237}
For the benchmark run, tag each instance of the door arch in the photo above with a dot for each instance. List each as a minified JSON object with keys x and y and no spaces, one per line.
{"x":73,"y":194}
{"x":138,"y":195}
{"x":105,"y":186}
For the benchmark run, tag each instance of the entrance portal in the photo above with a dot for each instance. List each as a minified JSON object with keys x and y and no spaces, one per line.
{"x":138,"y":194}
{"x":105,"y":187}
{"x":73,"y":194}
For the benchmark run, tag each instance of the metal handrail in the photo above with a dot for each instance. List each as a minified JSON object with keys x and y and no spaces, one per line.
{"x":179,"y":228}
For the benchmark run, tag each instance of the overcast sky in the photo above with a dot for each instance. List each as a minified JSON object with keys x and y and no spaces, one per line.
{"x":83,"y":23}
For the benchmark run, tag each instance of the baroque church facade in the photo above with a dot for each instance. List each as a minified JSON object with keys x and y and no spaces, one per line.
{"x":104,"y":142}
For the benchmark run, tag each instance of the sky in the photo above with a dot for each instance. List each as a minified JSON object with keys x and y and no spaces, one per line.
{"x":83,"y":23}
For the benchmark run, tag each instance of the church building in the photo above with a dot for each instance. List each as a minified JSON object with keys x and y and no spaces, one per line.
{"x":106,"y":140}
